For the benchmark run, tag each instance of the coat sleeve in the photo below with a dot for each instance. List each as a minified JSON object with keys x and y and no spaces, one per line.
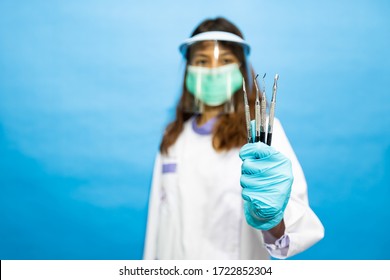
{"x":150,"y":252}
{"x":303,"y":228}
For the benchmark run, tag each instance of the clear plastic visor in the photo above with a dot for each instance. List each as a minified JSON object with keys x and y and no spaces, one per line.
{"x":213,"y":75}
{"x":212,"y":54}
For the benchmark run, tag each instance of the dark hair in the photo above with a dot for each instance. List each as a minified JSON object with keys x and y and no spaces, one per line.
{"x":217,"y":24}
{"x":229,"y":131}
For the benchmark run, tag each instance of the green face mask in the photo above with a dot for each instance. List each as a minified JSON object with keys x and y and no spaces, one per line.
{"x":213,"y":86}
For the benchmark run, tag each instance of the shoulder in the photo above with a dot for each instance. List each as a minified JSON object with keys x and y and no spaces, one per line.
{"x":280,"y":140}
{"x":185,"y":133}
{"x":278,"y":125}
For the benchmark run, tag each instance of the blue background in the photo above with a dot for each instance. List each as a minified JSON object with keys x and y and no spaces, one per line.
{"x":87,"y":87}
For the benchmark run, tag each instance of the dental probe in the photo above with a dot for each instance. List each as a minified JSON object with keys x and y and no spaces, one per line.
{"x":272,"y":110}
{"x":257,"y":112}
{"x":247,"y":113}
{"x":263,"y":117}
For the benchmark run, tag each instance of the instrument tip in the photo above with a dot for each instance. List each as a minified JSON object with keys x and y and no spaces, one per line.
{"x":255,"y":82}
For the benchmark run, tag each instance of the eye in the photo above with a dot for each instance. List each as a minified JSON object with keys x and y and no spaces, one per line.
{"x":228,"y":59}
{"x":200,"y":62}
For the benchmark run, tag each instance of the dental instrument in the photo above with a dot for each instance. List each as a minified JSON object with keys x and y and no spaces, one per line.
{"x":263,"y":112}
{"x":257,"y":112}
{"x":247,"y":113}
{"x":272,"y":111}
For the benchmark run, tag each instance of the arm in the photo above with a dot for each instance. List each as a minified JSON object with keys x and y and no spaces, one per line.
{"x":278,"y":231}
{"x":275,"y":194}
{"x":150,"y":252}
{"x":302,"y":227}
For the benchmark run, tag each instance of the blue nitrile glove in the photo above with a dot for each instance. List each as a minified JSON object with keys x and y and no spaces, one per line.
{"x":266,"y":181}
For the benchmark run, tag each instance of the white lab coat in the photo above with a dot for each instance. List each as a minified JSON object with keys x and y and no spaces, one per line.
{"x":195,"y":206}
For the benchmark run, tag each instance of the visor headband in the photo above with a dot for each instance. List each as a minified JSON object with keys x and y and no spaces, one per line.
{"x":214,"y":36}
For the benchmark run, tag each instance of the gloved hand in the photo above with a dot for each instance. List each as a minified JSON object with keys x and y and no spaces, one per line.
{"x":266,"y":181}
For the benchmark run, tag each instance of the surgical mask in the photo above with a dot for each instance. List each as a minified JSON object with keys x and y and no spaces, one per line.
{"x":214,"y":86}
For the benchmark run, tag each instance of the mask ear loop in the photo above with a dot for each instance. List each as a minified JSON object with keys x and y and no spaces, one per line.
{"x":229,"y":106}
{"x":199,"y":106}
{"x":248,"y":78}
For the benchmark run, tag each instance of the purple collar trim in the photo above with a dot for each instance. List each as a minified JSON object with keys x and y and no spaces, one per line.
{"x":205,"y":129}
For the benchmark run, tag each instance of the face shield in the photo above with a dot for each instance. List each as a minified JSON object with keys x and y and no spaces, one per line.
{"x":216,"y":62}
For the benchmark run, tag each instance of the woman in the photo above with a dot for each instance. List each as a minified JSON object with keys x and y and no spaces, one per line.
{"x":197,"y":209}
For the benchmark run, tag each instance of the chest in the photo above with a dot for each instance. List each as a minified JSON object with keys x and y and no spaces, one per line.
{"x":202,"y":172}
